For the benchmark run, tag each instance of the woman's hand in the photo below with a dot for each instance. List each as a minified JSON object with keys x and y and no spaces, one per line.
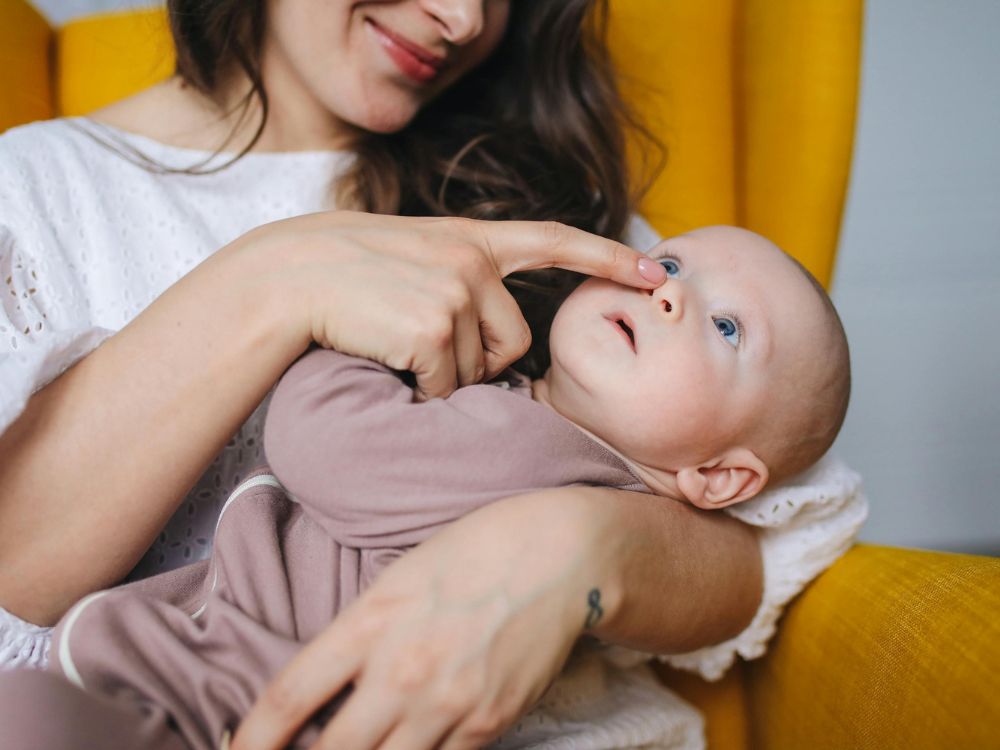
{"x":462,"y":635}
{"x":425,"y":294}
{"x":452,"y":644}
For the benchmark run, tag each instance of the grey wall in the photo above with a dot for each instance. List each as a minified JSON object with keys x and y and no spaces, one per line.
{"x":59,"y":11}
{"x":918,"y":275}
{"x":918,"y":279}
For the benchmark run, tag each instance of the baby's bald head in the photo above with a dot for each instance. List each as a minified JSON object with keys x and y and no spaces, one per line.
{"x":814,"y":388}
{"x":807,"y":367}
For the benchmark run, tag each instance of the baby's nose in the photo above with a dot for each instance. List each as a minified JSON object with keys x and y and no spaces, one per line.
{"x":666,"y":297}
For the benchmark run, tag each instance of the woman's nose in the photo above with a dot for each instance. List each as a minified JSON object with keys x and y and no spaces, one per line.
{"x":461,"y":21}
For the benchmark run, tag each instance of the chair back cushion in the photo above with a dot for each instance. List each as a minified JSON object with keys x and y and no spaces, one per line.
{"x":25,"y":41}
{"x":107,"y":57}
{"x":755,"y":101}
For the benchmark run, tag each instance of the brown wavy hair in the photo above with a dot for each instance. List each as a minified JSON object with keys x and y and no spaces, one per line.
{"x":535,"y":132}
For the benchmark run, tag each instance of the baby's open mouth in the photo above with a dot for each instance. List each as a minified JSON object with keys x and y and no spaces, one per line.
{"x":624,"y":324}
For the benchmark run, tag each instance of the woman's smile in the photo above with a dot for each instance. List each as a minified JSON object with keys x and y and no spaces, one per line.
{"x":417,"y":63}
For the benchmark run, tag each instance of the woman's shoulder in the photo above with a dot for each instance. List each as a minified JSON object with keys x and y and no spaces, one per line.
{"x":65,"y":142}
{"x":70,"y":147}
{"x":27,"y":133}
{"x":44,"y":159}
{"x":41,"y":139}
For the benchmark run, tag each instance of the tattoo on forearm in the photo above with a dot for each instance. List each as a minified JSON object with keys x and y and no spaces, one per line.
{"x":594,"y":610}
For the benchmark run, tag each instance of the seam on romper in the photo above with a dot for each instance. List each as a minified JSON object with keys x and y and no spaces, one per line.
{"x":262,"y":479}
{"x":65,"y":657}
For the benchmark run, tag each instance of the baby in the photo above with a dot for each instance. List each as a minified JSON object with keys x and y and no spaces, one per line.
{"x":731,"y":375}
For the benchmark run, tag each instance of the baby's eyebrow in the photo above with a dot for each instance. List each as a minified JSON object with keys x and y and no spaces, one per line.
{"x":662,"y":250}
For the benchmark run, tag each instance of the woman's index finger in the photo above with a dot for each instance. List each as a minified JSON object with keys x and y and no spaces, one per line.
{"x":527,"y":245}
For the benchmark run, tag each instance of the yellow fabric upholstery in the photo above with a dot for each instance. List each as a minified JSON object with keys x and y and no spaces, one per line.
{"x":107,"y":57}
{"x":25,"y":41}
{"x":722,"y":703}
{"x":890,"y":648}
{"x":675,"y":60}
{"x":797,"y":95}
{"x":755,"y":101}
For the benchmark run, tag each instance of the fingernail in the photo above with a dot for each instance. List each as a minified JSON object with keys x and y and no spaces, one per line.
{"x":652,"y":271}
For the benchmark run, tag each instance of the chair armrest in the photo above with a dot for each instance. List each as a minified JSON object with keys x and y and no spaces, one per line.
{"x":888,"y":648}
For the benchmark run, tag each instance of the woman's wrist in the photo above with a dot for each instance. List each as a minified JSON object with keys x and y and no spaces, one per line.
{"x":558,"y":554}
{"x":261,"y":270}
{"x":597,"y":583}
{"x":671,"y":578}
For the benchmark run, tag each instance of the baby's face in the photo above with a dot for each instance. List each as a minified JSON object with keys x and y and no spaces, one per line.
{"x":677,"y":377}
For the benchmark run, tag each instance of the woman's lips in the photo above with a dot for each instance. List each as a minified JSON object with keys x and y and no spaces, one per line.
{"x":414,"y":61}
{"x":625,"y":327}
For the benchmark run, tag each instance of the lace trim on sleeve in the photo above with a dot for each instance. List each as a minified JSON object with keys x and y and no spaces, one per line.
{"x":804,"y":526}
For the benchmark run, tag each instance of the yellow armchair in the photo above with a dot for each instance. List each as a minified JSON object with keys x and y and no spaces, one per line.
{"x":755,"y":101}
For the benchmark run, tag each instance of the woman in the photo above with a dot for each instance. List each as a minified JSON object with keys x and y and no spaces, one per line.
{"x":491,"y":109}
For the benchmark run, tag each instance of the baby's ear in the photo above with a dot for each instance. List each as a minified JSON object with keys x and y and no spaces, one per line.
{"x":733,"y":478}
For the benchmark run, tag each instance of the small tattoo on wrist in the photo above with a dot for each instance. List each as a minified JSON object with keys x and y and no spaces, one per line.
{"x":594,"y":610}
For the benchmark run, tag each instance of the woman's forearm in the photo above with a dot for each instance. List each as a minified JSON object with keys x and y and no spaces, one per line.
{"x":670,"y":578}
{"x":102,"y":457}
{"x":493,"y":604}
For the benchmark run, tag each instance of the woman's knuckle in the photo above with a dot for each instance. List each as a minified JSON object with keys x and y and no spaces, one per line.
{"x":475,"y":263}
{"x":619,"y":254}
{"x":410,"y":673}
{"x":523,"y":342}
{"x":555,"y":233}
{"x":398,"y":361}
{"x":455,"y":293}
{"x":430,"y":330}
{"x":485,"y":725}
{"x":281,"y":699}
{"x":451,"y":701}
{"x":437,"y":333}
{"x":369,"y":621}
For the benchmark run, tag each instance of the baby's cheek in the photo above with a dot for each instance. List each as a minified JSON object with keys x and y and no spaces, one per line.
{"x":675,"y":410}
{"x":644,"y":415}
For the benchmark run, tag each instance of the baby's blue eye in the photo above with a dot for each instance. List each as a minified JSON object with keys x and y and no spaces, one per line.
{"x":672,"y":266}
{"x":729,"y":330}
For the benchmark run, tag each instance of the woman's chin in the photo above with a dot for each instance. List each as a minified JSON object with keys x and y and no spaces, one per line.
{"x":388,"y":120}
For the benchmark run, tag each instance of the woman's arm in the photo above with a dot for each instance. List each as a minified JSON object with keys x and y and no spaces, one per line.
{"x":461,"y":636}
{"x":101,"y":458}
{"x":676,"y":578}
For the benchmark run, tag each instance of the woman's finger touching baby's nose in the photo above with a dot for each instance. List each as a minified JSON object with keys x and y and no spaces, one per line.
{"x":527,"y":245}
